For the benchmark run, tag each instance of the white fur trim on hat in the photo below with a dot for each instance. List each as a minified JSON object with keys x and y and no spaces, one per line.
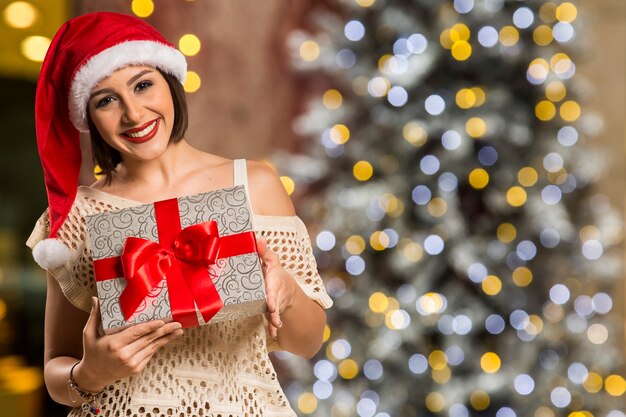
{"x":51,"y":253}
{"x":100,"y":66}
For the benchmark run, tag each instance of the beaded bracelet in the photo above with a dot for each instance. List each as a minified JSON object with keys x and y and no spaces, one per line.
{"x":91,"y":400}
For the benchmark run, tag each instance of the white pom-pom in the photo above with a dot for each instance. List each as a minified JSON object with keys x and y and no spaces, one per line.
{"x":51,"y":253}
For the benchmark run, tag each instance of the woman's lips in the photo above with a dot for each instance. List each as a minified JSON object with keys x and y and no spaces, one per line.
{"x":142,"y":133}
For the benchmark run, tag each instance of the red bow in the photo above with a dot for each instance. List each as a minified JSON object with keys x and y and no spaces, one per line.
{"x":185,"y":267}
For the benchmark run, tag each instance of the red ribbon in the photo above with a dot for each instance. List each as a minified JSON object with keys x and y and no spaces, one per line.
{"x":182,"y":257}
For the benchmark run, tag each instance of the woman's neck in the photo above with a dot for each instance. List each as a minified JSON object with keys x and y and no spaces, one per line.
{"x":164,"y":171}
{"x":181,"y":170}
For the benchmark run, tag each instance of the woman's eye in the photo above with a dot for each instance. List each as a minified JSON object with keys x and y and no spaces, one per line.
{"x":142,"y":85}
{"x":104,"y":101}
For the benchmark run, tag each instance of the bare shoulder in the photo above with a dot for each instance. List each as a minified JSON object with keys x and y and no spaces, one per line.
{"x":267,"y":192}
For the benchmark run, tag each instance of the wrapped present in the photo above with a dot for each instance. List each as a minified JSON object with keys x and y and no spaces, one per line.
{"x":192,"y":259}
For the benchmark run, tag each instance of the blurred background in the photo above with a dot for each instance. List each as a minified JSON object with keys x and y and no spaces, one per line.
{"x":459,"y":164}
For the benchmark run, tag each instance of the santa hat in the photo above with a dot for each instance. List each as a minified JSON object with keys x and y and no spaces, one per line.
{"x":84,"y":51}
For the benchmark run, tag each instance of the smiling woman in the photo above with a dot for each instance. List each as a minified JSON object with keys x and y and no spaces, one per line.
{"x":107,"y":157}
{"x":118,"y":78}
{"x":130,"y":107}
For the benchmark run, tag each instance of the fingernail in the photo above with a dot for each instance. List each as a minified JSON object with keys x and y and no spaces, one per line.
{"x":280,"y":324}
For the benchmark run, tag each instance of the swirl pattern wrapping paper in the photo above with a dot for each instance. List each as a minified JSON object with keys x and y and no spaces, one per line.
{"x":238,"y":279}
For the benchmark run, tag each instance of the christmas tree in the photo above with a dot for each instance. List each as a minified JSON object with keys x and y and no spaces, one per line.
{"x":469,"y":259}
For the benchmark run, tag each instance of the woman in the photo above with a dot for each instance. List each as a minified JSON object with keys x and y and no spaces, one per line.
{"x":118,"y":78}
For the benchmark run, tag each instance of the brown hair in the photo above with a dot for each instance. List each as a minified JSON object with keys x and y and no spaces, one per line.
{"x":107,"y":157}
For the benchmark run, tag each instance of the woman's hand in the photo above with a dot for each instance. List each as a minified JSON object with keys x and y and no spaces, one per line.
{"x":296,"y":321}
{"x":112,"y":357}
{"x":280,"y":287}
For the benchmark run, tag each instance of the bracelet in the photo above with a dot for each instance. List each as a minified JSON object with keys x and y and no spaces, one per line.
{"x":90,"y":399}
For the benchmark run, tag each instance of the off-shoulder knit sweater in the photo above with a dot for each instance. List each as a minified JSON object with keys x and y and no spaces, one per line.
{"x":216,"y":370}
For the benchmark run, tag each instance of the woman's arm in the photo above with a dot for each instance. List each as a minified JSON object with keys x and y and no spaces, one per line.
{"x":71,"y":335}
{"x":294,"y":319}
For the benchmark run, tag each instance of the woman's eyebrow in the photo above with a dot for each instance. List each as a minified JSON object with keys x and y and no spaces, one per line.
{"x":129,"y":82}
{"x":136,"y":76}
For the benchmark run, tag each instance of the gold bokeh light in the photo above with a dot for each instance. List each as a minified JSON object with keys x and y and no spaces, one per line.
{"x":35,"y":47}
{"x":142,"y":8}
{"x":21,"y":15}
{"x":189,"y":44}
{"x":192,"y":82}
{"x":309,"y":51}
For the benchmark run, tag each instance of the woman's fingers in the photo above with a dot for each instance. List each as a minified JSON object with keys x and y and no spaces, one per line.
{"x":275,"y":314}
{"x":268,"y":256}
{"x":261,"y":246}
{"x":90,"y":330}
{"x":143,"y":356}
{"x":127,"y":352}
{"x":152,"y":336}
{"x":152,"y":347}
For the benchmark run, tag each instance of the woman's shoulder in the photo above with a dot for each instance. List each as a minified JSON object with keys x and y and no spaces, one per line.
{"x":267,"y":192}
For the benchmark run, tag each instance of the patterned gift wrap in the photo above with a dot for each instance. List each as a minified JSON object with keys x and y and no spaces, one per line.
{"x":192,"y":259}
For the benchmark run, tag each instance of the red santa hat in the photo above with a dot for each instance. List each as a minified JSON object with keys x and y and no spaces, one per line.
{"x":84,"y":51}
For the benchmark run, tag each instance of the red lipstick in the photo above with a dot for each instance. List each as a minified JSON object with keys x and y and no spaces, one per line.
{"x":141,"y":139}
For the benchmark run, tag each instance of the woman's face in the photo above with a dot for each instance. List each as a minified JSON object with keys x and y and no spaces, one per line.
{"x":134,"y":112}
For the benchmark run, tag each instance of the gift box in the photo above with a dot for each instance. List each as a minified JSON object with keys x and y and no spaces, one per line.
{"x":192,"y":259}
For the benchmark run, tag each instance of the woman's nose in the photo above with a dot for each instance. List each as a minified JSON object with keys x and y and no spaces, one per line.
{"x":133,"y":112}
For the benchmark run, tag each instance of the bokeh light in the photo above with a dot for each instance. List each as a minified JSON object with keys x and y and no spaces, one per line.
{"x":21,"y":15}
{"x":309,"y":50}
{"x":189,"y":44}
{"x":142,"y":8}
{"x":34,"y":48}
{"x":192,"y":82}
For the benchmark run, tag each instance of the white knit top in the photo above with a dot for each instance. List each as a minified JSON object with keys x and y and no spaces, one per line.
{"x":216,"y":370}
